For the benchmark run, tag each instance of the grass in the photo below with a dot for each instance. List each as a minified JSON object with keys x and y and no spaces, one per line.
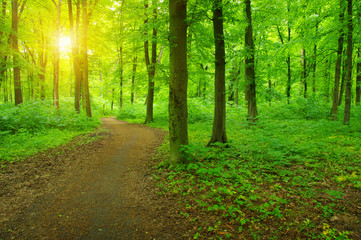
{"x":292,"y":175}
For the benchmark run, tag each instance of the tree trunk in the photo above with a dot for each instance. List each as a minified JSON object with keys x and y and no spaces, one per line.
{"x":219,"y":120}
{"x":121,"y":76}
{"x":85,"y":58}
{"x":288,"y":87}
{"x":234,"y":82}
{"x":151,"y":68}
{"x":57,"y":56}
{"x":121,"y":65}
{"x":358,"y":78}
{"x":113,"y":97}
{"x":3,"y":57}
{"x":135,"y":59}
{"x":304,"y":72}
{"x":346,"y":119}
{"x":314,"y":65}
{"x":336,"y":87}
{"x":15,"y":45}
{"x":74,"y":38}
{"x":250,"y":76}
{"x":343,"y":78}
{"x":178,"y":113}
{"x":43,"y":59}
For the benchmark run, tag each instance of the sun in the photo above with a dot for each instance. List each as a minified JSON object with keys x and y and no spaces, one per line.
{"x":64,"y":43}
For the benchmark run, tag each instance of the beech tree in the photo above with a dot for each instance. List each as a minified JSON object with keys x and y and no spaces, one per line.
{"x":15,"y":45}
{"x":335,"y":97}
{"x":346,"y":118}
{"x":150,"y":64}
{"x":178,"y":113}
{"x":219,"y":120}
{"x":250,"y":77}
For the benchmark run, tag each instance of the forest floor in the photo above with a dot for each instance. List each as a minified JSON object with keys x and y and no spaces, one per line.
{"x":99,"y":186}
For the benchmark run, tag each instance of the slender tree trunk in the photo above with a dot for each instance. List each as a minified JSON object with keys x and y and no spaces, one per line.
{"x":57,"y":56}
{"x":178,"y":113}
{"x":358,"y":78}
{"x":304,"y":72}
{"x":250,"y":76}
{"x":113,"y":97}
{"x":15,"y":45}
{"x":234,"y":83}
{"x":43,"y":59}
{"x":85,"y":58}
{"x":121,"y":65}
{"x":348,"y":89}
{"x":74,"y":38}
{"x":121,"y":76}
{"x":219,"y":120}
{"x":3,"y":57}
{"x":151,"y":69}
{"x":335,"y":97}
{"x":343,"y":78}
{"x":288,"y":61}
{"x":135,"y":59}
{"x":314,"y":64}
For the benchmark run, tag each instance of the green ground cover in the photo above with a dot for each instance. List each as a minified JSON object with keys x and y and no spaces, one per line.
{"x":36,"y":126}
{"x":292,"y":175}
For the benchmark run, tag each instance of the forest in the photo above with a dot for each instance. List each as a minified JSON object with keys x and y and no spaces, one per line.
{"x":260,"y":100}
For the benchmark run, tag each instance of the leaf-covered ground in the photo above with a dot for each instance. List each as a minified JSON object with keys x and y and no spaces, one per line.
{"x":280,"y":180}
{"x":292,"y":175}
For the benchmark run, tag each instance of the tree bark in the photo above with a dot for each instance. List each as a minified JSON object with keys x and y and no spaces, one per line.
{"x":250,"y":76}
{"x":84,"y":53}
{"x":3,"y":56}
{"x":314,"y":64}
{"x":151,"y":68}
{"x":121,"y":76}
{"x":234,"y":83}
{"x":74,"y":38}
{"x":15,"y":45}
{"x":135,"y":59}
{"x":304,"y":72}
{"x":219,"y":120}
{"x":338,"y":66}
{"x":346,"y":119}
{"x":288,"y":61}
{"x":343,"y":78}
{"x":358,"y":78}
{"x":178,"y":113}
{"x":57,"y":56}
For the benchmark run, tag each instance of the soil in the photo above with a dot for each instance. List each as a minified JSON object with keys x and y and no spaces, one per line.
{"x":97,"y":190}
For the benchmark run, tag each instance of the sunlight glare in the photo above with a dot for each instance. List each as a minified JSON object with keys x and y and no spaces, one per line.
{"x":64,"y":44}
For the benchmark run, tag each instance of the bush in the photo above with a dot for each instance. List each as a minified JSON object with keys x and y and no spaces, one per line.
{"x":36,"y":116}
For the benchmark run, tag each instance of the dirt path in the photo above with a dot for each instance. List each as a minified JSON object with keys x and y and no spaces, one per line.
{"x":102,"y":190}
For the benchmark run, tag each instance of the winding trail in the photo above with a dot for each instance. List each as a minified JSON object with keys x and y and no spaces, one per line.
{"x":105,"y":192}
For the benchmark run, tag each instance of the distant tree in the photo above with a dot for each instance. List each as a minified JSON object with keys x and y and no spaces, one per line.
{"x":150,"y":64}
{"x":178,"y":113}
{"x":57,"y":55}
{"x":348,"y":87}
{"x":335,"y":97}
{"x":75,"y":42}
{"x":15,"y":45}
{"x":250,"y":76}
{"x":219,"y":121}
{"x":84,"y":54}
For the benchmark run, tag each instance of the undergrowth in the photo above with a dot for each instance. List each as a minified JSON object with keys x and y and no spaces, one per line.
{"x":37,"y":126}
{"x":293,"y":175}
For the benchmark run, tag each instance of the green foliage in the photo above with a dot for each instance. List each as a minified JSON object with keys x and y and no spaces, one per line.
{"x":36,"y":116}
{"x":299,"y":108}
{"x":36,"y":126}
